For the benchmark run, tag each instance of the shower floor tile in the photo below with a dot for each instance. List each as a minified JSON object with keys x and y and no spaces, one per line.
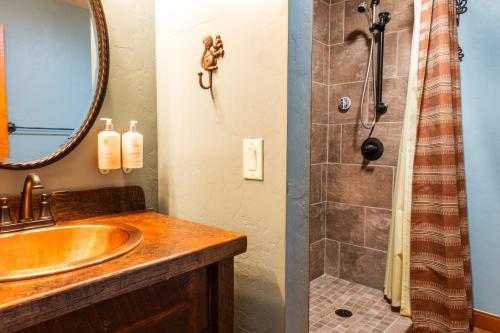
{"x":371,"y":312}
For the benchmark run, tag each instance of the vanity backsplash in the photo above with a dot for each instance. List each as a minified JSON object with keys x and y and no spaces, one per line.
{"x":77,"y":205}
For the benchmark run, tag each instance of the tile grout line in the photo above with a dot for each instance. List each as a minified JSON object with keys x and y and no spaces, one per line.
{"x":338,"y":261}
{"x":360,"y":206}
{"x":356,"y":245}
{"x":328,"y":128}
{"x":388,"y":78}
{"x":316,"y":242}
{"x":384,"y":166}
{"x":319,"y":83}
{"x":341,"y":139}
{"x":391,"y":325}
{"x":364,"y":226}
{"x":397,"y":52}
{"x":320,"y":42}
{"x":341,"y":143}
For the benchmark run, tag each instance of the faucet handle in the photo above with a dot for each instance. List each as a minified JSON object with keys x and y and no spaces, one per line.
{"x":5,"y":217}
{"x":45,"y":212}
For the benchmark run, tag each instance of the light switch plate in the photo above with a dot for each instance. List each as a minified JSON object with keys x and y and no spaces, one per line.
{"x":253,"y":159}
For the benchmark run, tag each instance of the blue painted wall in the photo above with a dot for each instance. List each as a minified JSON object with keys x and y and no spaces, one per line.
{"x":300,"y":16}
{"x":480,"y":38}
{"x":48,"y":71}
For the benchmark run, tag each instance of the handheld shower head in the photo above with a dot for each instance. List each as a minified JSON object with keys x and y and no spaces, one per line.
{"x":385,"y":17}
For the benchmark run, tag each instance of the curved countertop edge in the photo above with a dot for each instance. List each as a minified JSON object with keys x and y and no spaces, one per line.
{"x":151,"y":262}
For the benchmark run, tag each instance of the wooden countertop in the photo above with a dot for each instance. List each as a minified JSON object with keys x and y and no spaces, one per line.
{"x":170,"y":247}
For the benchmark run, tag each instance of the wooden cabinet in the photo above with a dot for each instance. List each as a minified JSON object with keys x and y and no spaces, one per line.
{"x":194,"y":302}
{"x":178,"y":280}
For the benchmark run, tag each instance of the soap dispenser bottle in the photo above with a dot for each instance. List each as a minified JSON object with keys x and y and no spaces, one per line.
{"x":132,"y":149}
{"x":109,"y":155}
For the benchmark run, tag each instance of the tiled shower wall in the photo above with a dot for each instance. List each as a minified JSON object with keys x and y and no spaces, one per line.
{"x":350,"y":198}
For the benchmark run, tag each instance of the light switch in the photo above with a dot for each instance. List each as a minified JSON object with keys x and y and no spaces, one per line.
{"x":253,"y":159}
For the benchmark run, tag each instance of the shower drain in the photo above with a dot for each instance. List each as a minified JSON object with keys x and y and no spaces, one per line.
{"x":343,"y":313}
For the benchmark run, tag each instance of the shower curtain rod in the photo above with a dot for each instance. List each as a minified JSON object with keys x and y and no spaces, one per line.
{"x":461,"y":9}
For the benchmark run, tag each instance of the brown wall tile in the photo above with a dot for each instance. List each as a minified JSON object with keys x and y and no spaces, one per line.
{"x":317,"y":259}
{"x":345,"y":223}
{"x":401,"y":14}
{"x":354,"y":92}
{"x":378,"y":224}
{"x":319,"y":62}
{"x":315,"y":186}
{"x":334,"y":143}
{"x":319,"y":103}
{"x":332,"y":251}
{"x":337,"y":23}
{"x":360,"y":185}
{"x":324,"y":179}
{"x":348,"y":61}
{"x":394,"y":95}
{"x":321,"y":17}
{"x":390,"y":55}
{"x":319,"y":137}
{"x":354,"y":135}
{"x":404,"y":51}
{"x":317,"y":217}
{"x":356,"y":24}
{"x":362,"y":265}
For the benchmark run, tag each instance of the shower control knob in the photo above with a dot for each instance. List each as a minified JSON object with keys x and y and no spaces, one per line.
{"x":372,"y":149}
{"x":345,"y":104}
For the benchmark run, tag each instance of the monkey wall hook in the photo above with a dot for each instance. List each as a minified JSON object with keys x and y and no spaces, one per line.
{"x":214,"y":49}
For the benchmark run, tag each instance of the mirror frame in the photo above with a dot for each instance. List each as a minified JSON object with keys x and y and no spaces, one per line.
{"x":95,"y":107}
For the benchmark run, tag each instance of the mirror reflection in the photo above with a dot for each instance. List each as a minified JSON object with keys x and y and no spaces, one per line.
{"x":48,"y":72}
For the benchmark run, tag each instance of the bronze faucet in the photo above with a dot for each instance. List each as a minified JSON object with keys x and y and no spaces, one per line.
{"x":26,"y":219}
{"x":31,"y":183}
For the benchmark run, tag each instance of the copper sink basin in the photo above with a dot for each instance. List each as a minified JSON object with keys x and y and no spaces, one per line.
{"x":41,"y":252}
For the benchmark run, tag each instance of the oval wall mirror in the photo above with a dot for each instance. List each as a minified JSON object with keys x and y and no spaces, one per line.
{"x":54,"y":67}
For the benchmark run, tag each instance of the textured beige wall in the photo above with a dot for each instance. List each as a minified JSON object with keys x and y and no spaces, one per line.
{"x":200,"y":138}
{"x":131,"y":95}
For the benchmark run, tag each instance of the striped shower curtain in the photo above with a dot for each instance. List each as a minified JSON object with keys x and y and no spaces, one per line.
{"x":440,"y":276}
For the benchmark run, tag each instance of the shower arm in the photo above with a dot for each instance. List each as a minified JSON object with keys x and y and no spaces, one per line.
{"x":379,"y":28}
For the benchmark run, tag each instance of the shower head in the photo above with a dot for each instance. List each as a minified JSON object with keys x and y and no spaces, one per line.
{"x":363,"y":7}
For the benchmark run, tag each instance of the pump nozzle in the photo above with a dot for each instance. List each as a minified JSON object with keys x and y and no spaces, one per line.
{"x":133,"y":125}
{"x":109,"y":123}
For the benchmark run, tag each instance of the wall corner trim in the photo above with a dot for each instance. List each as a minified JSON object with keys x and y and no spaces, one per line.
{"x":298,"y":162}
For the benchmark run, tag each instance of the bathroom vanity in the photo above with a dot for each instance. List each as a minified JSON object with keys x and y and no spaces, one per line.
{"x":178,"y":279}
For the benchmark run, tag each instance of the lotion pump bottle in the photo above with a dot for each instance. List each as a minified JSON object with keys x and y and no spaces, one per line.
{"x":109,"y":155}
{"x":132,"y":149}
